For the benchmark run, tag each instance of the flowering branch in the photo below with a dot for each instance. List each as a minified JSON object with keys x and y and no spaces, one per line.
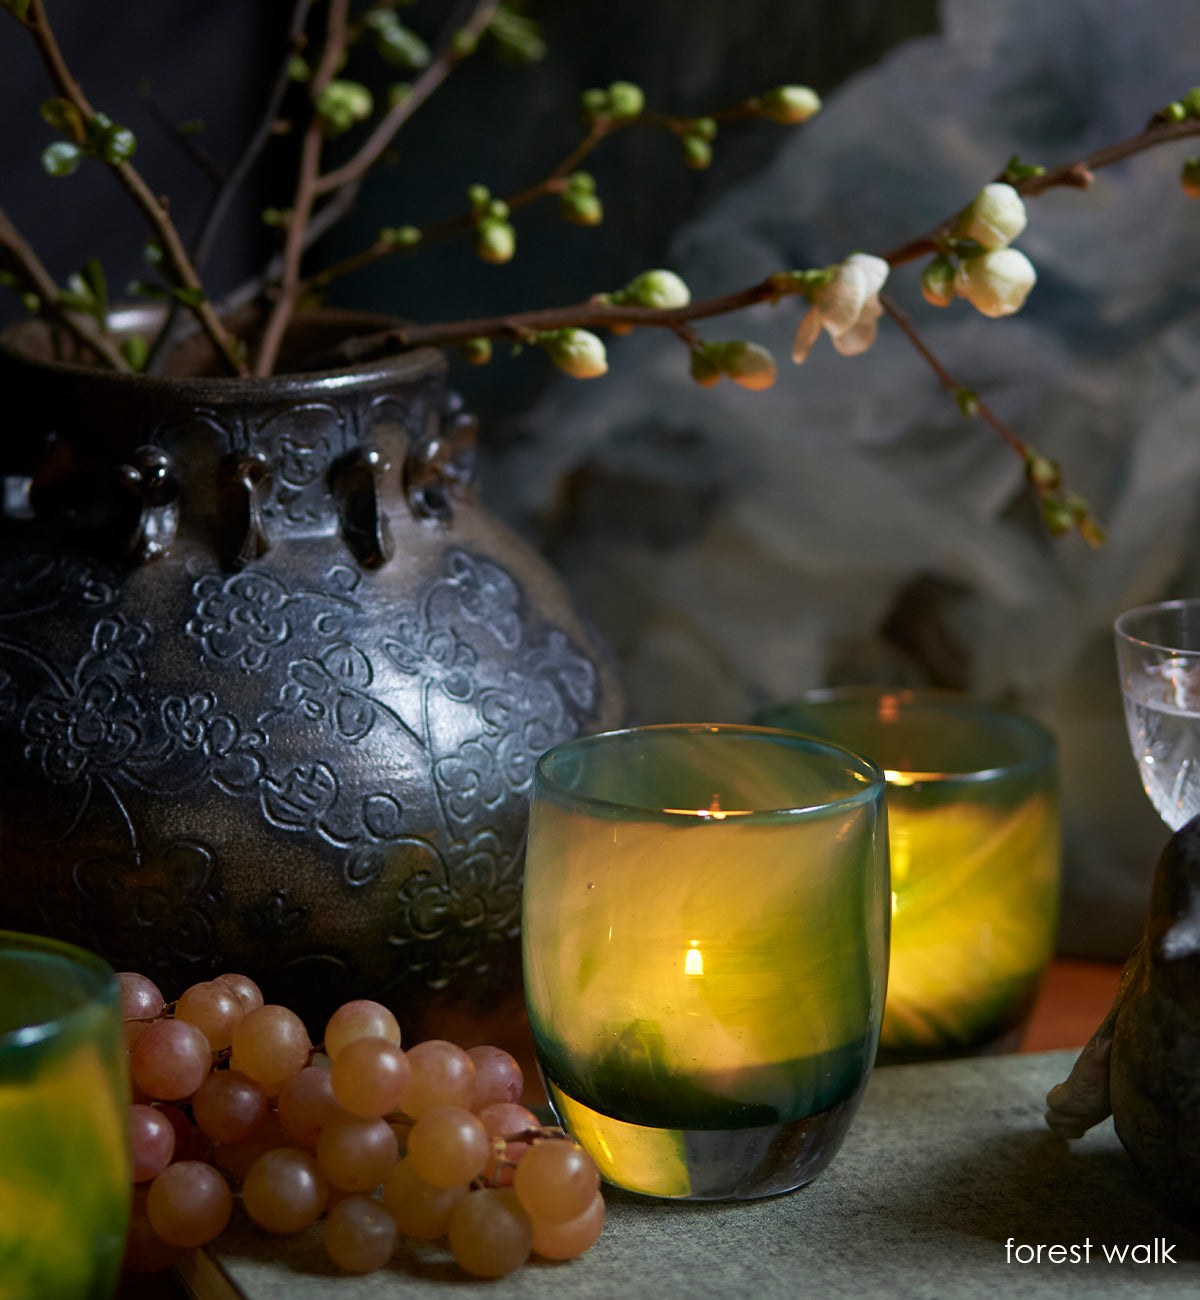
{"x":36,"y":280}
{"x":114,"y":148}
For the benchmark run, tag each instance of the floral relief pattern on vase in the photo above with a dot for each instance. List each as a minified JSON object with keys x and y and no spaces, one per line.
{"x":287,"y":724}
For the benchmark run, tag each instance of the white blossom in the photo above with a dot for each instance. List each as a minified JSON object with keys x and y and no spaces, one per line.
{"x":994,"y":217}
{"x":847,"y":308}
{"x":996,"y":283}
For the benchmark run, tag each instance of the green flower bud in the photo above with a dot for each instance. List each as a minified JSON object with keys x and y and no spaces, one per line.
{"x":581,"y":183}
{"x":397,"y":44}
{"x":967,"y":401}
{"x":1042,"y":472}
{"x":135,"y":350}
{"x":298,"y":69}
{"x":748,"y":365}
{"x":1189,"y":178}
{"x":1191,"y":102}
{"x":581,"y":209}
{"x":497,"y":210}
{"x":996,"y":283}
{"x":398,"y":92}
{"x":116,"y":145}
{"x":625,"y":101}
{"x":1174,"y":112}
{"x":937,"y":281}
{"x":495,"y":242}
{"x":789,"y":104}
{"x":464,"y":42}
{"x":31,"y":302}
{"x":65,"y":117}
{"x":663,"y":290}
{"x":518,"y":39}
{"x":593,"y":104}
{"x":577,"y":352}
{"x":697,"y":153}
{"x":704,"y":127}
{"x":478,"y":196}
{"x":477,"y":351}
{"x":706,"y":369}
{"x":1058,"y":517}
{"x":343,"y":104}
{"x":401,"y":236}
{"x":276,"y":216}
{"x":61,"y":158}
{"x":994,"y":217}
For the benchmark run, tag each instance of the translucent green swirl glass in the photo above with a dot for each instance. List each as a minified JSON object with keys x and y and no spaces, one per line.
{"x":705,"y":933}
{"x":64,"y":1104}
{"x":973,"y":813}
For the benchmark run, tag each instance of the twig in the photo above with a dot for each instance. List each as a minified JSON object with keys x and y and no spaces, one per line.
{"x":1073,"y":175}
{"x":945,"y":378}
{"x":154,"y":211}
{"x":83,"y":327}
{"x":306,"y":192}
{"x":438,"y":70}
{"x":219,"y":206}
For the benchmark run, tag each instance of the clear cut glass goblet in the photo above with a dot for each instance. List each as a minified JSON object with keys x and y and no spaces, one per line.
{"x":1158,"y":655}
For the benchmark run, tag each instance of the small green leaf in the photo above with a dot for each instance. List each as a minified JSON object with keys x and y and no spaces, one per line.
{"x":116,"y":144}
{"x":61,"y":158}
{"x":65,"y":117}
{"x":18,"y":8}
{"x":135,"y":350}
{"x":967,"y":401}
{"x":189,"y":297}
{"x":31,"y":302}
{"x":93,"y":274}
{"x":145,"y":289}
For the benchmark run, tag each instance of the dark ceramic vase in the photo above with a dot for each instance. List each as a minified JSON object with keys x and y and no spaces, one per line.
{"x":272,"y":683}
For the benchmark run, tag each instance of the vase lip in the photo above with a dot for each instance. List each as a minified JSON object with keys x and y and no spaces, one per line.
{"x":858,"y":767}
{"x":397,"y":367}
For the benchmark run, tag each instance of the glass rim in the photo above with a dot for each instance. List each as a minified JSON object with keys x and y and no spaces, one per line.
{"x":44,"y":1030}
{"x":961,"y":703}
{"x":1120,"y":624}
{"x":869,"y":773}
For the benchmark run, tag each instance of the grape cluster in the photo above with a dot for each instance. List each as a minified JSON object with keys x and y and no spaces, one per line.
{"x":229,"y":1093}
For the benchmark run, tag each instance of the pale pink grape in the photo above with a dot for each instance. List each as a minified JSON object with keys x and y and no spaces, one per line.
{"x":420,"y":1210}
{"x":284,"y":1190}
{"x":356,"y":1154}
{"x":246,"y":989}
{"x":190,"y":1143}
{"x":229,"y":1106}
{"x":448,"y":1146}
{"x":572,"y":1238}
{"x":140,"y":997}
{"x":442,"y":1075}
{"x":361,"y":1018}
{"x":360,"y":1235}
{"x":270,"y":1044}
{"x":235,"y":1158}
{"x":556,"y":1180}
{"x":189,"y":1203}
{"x":498,"y":1077}
{"x":306,"y":1104}
{"x":214,"y":1009}
{"x":170,"y":1060}
{"x":151,"y":1142}
{"x":369,"y":1076}
{"x":490,"y":1232}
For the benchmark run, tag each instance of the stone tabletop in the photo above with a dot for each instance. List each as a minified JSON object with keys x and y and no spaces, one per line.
{"x":947,"y":1184}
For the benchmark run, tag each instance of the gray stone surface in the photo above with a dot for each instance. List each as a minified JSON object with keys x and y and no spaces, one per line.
{"x":943,"y":1165}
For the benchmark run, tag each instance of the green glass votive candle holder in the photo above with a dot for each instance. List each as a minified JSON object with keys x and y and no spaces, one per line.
{"x":705,"y":935}
{"x":973,"y":817}
{"x":64,"y":1108}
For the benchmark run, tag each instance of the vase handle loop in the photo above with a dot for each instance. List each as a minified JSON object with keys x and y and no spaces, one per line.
{"x":357,"y":481}
{"x":150,"y":478}
{"x":441,"y":462}
{"x":243,"y":533}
